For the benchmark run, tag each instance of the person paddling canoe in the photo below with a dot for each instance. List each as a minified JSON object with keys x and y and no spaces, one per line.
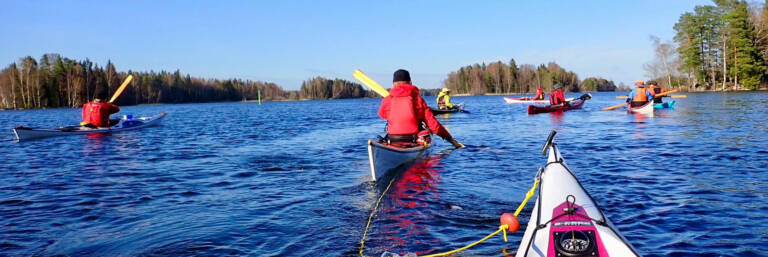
{"x":96,"y":113}
{"x":556,"y":97}
{"x":639,"y":96}
{"x":539,"y":94}
{"x":655,"y":90}
{"x":405,"y":110}
{"x":444,"y":100}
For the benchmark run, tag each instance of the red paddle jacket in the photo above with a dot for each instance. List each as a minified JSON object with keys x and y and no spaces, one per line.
{"x":539,"y":94}
{"x":404,"y":109}
{"x":97,"y":113}
{"x":556,"y":97}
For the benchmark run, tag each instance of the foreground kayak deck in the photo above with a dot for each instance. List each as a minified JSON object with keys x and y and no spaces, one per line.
{"x":385,"y":158}
{"x":566,"y":220}
{"x":25,"y":133}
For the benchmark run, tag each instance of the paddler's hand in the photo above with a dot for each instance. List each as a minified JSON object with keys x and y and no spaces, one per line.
{"x":457,"y":144}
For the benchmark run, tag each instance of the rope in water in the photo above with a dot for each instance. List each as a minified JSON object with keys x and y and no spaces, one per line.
{"x":502,"y":228}
{"x":375,"y":207}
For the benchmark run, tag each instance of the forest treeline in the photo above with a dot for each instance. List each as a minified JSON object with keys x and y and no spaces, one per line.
{"x":716,"y":47}
{"x":506,"y":78}
{"x":55,"y":81}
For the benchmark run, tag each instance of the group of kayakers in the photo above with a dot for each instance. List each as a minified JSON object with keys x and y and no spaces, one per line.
{"x":641,"y":96}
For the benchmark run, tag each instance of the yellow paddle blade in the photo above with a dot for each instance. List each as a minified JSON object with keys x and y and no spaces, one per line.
{"x":613,"y":107}
{"x":679,"y":96}
{"x":621,"y":97}
{"x":370,"y":83}
{"x":121,"y":88}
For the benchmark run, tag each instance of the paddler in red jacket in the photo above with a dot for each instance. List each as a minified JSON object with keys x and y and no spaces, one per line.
{"x":404,"y":109}
{"x":539,"y":94}
{"x":557,"y":97}
{"x":96,"y":113}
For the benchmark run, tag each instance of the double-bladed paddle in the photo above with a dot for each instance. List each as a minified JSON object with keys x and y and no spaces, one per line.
{"x":121,"y":88}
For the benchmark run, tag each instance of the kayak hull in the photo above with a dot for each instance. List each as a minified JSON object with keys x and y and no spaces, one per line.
{"x":551,"y":224}
{"x":385,"y":158}
{"x":445,"y":111}
{"x":575,"y":104}
{"x":667,"y":105}
{"x":24,"y":133}
{"x":524,"y":100}
{"x":646,"y":109}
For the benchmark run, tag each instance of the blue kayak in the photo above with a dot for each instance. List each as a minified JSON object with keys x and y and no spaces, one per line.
{"x":670,"y":105}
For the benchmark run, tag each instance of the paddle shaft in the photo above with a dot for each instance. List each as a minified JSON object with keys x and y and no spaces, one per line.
{"x":620,"y":105}
{"x":370,"y":83}
{"x":672,"y":96}
{"x":121,"y":88}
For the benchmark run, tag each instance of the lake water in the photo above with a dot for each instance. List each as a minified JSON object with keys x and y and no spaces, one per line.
{"x":289,"y":179}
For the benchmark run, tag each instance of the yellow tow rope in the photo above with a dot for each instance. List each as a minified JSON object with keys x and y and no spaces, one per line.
{"x":502,"y":228}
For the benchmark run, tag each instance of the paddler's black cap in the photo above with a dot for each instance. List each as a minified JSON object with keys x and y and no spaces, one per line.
{"x":100,"y":93}
{"x":401,"y":75}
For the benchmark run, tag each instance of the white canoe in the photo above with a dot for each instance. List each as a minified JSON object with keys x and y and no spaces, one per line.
{"x":646,"y":109}
{"x":511,"y":100}
{"x":385,"y":158}
{"x":579,"y":227}
{"x":24,"y":133}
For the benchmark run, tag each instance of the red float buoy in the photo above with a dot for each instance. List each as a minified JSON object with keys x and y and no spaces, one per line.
{"x":511,"y":221}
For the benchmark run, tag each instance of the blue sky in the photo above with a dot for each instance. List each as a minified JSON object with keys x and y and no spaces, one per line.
{"x":287,"y":42}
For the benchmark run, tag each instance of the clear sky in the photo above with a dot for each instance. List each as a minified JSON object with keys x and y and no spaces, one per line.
{"x":288,"y":41}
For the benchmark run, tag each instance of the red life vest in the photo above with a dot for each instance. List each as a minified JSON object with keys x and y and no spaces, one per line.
{"x":640,"y":95}
{"x":556,"y":97}
{"x":441,"y":100}
{"x":97,"y":114}
{"x":402,"y":117}
{"x":539,"y":94}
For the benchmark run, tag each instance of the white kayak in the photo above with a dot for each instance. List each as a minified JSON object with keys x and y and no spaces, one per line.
{"x":646,"y":109}
{"x":524,"y":100}
{"x":385,"y":158}
{"x":566,"y":220}
{"x":24,"y":133}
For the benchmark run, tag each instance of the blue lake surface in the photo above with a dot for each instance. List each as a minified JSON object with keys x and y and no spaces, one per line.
{"x":289,"y":179}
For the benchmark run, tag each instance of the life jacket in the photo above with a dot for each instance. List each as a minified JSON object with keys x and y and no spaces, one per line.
{"x":640,"y":95}
{"x":556,"y":97}
{"x":539,"y":94}
{"x":97,"y":113}
{"x":441,"y":99}
{"x":402,"y":116}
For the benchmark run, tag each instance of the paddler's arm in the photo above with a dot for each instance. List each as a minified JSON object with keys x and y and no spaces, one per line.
{"x":448,"y":101}
{"x":435,"y":125}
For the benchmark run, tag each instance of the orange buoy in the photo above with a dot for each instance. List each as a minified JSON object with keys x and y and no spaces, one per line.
{"x":511,"y":221}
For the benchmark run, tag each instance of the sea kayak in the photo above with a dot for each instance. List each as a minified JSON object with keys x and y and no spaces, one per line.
{"x":25,"y":133}
{"x":574,"y":104}
{"x":385,"y":158}
{"x":444,"y":111}
{"x":670,"y":105}
{"x":566,"y":220}
{"x":524,"y":100}
{"x":646,"y":109}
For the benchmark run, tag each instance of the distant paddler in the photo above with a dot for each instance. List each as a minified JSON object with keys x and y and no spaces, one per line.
{"x":639,"y":95}
{"x":96,"y":113}
{"x":444,"y":99}
{"x":655,"y":90}
{"x":539,"y":94}
{"x":556,"y":97}
{"x":405,"y":110}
